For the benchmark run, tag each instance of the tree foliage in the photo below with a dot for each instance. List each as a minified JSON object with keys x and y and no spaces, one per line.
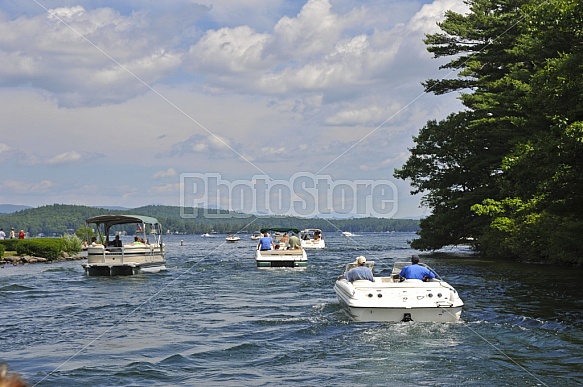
{"x":61,"y":219}
{"x":506,"y":172}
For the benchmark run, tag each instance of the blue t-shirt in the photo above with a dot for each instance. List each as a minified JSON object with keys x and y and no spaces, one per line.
{"x":416,"y":272}
{"x":265,"y":243}
{"x":359,"y":273}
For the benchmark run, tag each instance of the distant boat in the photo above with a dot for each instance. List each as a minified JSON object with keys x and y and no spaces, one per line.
{"x":281,"y":256}
{"x":206,"y":235}
{"x":256,"y":235}
{"x":232,"y":238}
{"x":108,"y":259}
{"x":312,"y":238}
{"x":347,"y":233}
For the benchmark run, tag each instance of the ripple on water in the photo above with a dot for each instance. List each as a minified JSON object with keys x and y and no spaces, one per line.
{"x":213,"y":318}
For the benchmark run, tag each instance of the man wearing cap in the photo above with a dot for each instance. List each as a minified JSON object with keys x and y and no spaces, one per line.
{"x":414,"y":271}
{"x":360,"y":272}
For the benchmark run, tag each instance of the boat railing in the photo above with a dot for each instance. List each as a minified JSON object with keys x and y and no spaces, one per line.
{"x":125,"y":252}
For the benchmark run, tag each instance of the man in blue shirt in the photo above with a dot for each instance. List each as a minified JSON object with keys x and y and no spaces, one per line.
{"x":414,"y":271}
{"x":360,"y":272}
{"x":265,"y":243}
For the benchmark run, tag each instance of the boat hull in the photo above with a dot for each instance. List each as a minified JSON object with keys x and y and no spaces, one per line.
{"x":295,"y":258}
{"x":312,"y":244}
{"x":388,"y":300}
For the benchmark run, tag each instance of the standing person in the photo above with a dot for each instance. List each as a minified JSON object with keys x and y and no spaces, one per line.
{"x":265,"y":243}
{"x":360,"y":272}
{"x":21,"y":234}
{"x":2,"y":234}
{"x":414,"y":271}
{"x":12,"y":236}
{"x":294,"y":242}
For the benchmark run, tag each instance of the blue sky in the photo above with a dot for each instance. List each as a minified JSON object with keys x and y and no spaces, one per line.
{"x":111,"y":102}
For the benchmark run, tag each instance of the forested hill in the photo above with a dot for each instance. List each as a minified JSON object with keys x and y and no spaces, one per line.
{"x":58,"y":219}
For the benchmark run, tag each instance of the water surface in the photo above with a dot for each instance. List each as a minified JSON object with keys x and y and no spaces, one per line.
{"x":213,"y":318}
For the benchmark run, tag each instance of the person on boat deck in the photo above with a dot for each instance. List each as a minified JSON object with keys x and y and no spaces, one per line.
{"x":284,"y":241}
{"x":414,"y":271}
{"x":94,"y":242}
{"x":265,"y":243}
{"x":294,"y":242}
{"x":360,"y":272}
{"x":317,"y":236}
{"x":116,"y":242}
{"x":137,"y":241}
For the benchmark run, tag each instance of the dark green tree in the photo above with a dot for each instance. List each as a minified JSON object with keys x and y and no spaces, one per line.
{"x":541,"y":214}
{"x":457,"y":162}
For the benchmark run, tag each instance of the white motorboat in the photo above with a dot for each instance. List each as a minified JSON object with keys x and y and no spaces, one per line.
{"x":347,"y":234}
{"x":281,"y":256}
{"x":232,"y":238}
{"x":388,"y":299}
{"x":105,"y":258}
{"x":312,"y":238}
{"x":206,"y":235}
{"x":256,"y":236}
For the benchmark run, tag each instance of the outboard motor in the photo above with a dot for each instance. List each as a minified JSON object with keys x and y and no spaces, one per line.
{"x":407,"y":317}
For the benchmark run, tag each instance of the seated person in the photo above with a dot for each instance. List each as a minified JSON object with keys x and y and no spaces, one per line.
{"x":265,"y":243}
{"x":94,"y":242}
{"x":116,"y":242}
{"x":414,"y":271}
{"x":284,"y":241}
{"x":137,"y":241}
{"x":360,"y":272}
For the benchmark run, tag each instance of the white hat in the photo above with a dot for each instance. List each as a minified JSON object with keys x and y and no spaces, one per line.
{"x":360,"y":260}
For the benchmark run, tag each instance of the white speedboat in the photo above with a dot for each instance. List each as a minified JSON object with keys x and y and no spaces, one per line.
{"x":105,"y":258}
{"x":281,"y":256}
{"x":312,"y":238}
{"x":388,"y":299}
{"x":206,"y":235}
{"x":256,"y":236}
{"x":347,"y":234}
{"x":232,"y":238}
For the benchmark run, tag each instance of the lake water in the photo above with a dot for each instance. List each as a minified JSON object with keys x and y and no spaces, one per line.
{"x":214,"y":319}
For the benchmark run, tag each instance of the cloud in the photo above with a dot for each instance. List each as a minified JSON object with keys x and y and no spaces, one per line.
{"x":65,"y":158}
{"x":211,"y":145}
{"x":82,"y":57}
{"x":17,"y":186}
{"x":4,"y":148}
{"x":170,"y":172}
{"x":143,"y":89}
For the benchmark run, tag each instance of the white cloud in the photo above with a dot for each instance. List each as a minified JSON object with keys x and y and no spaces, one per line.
{"x":170,"y":172}
{"x":65,"y":158}
{"x":18,"y":186}
{"x":219,"y":86}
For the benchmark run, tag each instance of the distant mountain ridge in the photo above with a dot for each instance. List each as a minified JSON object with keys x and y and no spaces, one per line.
{"x":58,"y":219}
{"x":10,"y":208}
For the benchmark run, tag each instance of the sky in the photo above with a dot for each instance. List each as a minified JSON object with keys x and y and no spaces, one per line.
{"x":278,"y":107}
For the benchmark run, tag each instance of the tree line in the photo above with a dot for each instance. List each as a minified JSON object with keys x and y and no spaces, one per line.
{"x":506,"y":172}
{"x":60,"y":219}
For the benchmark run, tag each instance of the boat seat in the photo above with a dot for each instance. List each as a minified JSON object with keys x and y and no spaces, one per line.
{"x":363,"y":284}
{"x":282,"y":252}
